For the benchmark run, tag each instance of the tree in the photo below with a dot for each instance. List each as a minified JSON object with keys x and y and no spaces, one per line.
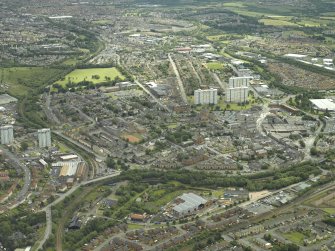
{"x":24,"y":146}
{"x":314,"y":151}
{"x":110,"y":162}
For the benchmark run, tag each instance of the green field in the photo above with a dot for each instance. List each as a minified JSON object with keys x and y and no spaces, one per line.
{"x":295,"y":237}
{"x":329,"y":210}
{"x":215,"y":66}
{"x":234,"y":4}
{"x":80,"y":75}
{"x":22,"y":79}
{"x":276,"y":22}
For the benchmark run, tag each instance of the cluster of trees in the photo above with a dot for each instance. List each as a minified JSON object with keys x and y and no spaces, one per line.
{"x":115,"y":164}
{"x":75,"y":240}
{"x":179,"y":135}
{"x":265,"y":180}
{"x":330,"y":221}
{"x":19,"y":224}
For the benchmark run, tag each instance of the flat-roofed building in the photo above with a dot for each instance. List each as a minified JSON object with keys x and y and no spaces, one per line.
{"x":323,"y":104}
{"x":189,"y":204}
{"x":69,"y":157}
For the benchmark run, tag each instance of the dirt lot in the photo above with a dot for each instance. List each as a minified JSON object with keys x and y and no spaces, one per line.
{"x":131,"y":138}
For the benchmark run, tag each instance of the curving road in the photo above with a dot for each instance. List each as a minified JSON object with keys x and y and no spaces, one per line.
{"x":21,"y":196}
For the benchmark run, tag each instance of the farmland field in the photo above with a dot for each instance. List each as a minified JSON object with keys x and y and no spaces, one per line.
{"x":95,"y":75}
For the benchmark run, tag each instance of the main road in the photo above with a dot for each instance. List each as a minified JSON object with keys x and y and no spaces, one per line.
{"x":180,"y":83}
{"x":21,"y":196}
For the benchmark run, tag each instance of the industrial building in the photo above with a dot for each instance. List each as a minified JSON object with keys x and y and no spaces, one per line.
{"x":206,"y":97}
{"x":7,"y":136}
{"x":323,"y":104}
{"x":188,"y":204}
{"x":44,"y":138}
{"x":237,"y":91}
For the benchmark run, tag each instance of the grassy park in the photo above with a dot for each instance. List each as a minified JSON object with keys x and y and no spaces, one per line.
{"x":94,"y":75}
{"x":21,"y":80}
{"x":295,"y":237}
{"x":276,"y":22}
{"x":215,"y":66}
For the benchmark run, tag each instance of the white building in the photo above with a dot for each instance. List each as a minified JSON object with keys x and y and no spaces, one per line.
{"x":323,"y":104}
{"x":237,"y":91}
{"x":44,"y":137}
{"x":189,"y":204}
{"x":206,"y":97}
{"x":7,"y":136}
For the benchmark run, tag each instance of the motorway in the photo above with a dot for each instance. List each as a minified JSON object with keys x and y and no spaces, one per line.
{"x":21,"y":196}
{"x":47,"y":209}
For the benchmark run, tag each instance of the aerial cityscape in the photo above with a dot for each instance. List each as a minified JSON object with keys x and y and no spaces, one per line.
{"x":167,"y":125}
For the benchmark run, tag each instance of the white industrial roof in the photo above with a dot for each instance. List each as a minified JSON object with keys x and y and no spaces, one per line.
{"x":292,"y":55}
{"x":191,"y":201}
{"x":68,"y":157}
{"x":324,"y":104}
{"x":43,"y":162}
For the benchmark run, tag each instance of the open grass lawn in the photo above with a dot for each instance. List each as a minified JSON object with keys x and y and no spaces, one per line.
{"x":63,"y":148}
{"x":276,"y":22}
{"x":218,"y":192}
{"x":329,"y":210}
{"x":215,"y":66}
{"x":80,"y":75}
{"x":328,"y":18}
{"x":172,"y":126}
{"x":96,"y":193}
{"x":23,"y":79}
{"x":295,"y":237}
{"x":234,"y":4}
{"x":133,"y":226}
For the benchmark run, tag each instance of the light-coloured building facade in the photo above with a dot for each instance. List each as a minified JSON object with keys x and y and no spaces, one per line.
{"x":238,"y":89}
{"x":206,"y":97}
{"x":7,"y":135}
{"x":44,"y":137}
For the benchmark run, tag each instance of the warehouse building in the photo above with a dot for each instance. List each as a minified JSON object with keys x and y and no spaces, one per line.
{"x":323,"y":104}
{"x":188,"y":204}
